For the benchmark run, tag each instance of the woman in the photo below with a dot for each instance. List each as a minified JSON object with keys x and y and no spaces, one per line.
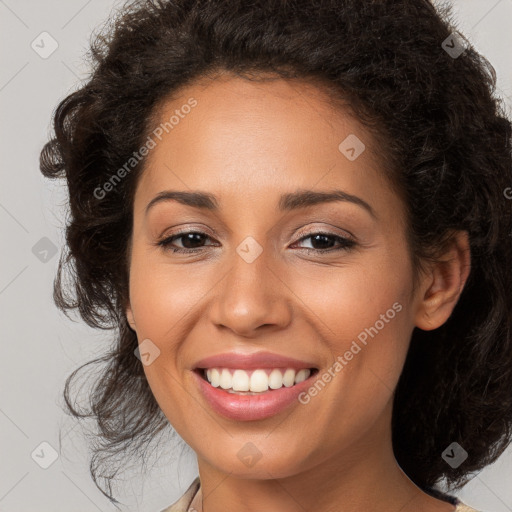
{"x":295,"y":215}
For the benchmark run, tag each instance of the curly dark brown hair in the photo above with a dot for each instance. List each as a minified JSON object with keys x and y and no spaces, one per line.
{"x":439,"y":123}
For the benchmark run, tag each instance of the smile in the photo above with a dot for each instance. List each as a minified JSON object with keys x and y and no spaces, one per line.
{"x":255,"y":381}
{"x":279,"y":390}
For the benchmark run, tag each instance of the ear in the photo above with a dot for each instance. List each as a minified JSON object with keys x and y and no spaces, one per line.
{"x":443,"y":284}
{"x":129,"y":316}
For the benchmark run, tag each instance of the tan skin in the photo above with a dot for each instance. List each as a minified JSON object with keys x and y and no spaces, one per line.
{"x":248,"y":143}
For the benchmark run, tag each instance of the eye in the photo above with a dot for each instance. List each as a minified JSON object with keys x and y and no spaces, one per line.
{"x":192,"y":241}
{"x":325,"y":241}
{"x":189,"y":242}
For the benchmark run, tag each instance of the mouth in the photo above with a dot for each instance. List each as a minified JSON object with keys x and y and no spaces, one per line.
{"x":251,"y":395}
{"x":255,"y":381}
{"x":252,"y":386}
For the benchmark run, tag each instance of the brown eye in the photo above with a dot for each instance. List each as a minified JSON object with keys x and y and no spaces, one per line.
{"x":323,"y":242}
{"x":191,"y":241}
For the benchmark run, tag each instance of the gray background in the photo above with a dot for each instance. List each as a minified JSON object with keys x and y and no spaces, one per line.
{"x":40,"y":346}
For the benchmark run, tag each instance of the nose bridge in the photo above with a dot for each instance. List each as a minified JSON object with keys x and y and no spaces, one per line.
{"x":251,"y":294}
{"x":250,"y":263}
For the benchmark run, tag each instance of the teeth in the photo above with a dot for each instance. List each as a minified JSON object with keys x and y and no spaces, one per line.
{"x":259,"y":381}
{"x":302,"y":375}
{"x":289,"y":377}
{"x":214,"y":377}
{"x":225,"y":379}
{"x":255,"y":381}
{"x":240,"y":381}
{"x":275,"y":379}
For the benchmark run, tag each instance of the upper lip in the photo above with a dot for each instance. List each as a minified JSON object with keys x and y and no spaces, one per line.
{"x":251,"y":361}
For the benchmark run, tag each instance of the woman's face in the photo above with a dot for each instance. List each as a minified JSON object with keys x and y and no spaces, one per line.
{"x":262,"y":279}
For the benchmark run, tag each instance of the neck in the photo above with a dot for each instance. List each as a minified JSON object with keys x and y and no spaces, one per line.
{"x":354,"y":479}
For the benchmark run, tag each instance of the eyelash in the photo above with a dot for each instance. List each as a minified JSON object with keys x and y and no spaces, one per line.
{"x":346,"y":243}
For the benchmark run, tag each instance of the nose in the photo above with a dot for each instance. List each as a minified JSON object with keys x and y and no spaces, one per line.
{"x":252,"y":298}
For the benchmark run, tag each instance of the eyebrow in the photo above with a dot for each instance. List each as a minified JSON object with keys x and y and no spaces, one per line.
{"x":287,"y":202}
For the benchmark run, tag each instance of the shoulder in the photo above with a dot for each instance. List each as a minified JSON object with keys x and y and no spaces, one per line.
{"x":184,"y":502}
{"x":461,"y":507}
{"x":442,"y":495}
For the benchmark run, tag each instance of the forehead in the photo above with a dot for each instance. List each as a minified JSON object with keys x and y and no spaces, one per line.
{"x":250,"y":138}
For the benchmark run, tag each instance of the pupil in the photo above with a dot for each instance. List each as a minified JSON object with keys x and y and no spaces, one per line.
{"x":190,"y":238}
{"x":325,"y":238}
{"x":324,"y":241}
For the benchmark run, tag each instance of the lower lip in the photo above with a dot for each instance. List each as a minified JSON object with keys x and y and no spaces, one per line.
{"x":252,"y":407}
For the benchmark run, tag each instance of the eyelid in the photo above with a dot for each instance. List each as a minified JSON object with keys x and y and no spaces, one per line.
{"x":311,"y":230}
{"x":347,"y":243}
{"x":332,"y":230}
{"x":186,"y":228}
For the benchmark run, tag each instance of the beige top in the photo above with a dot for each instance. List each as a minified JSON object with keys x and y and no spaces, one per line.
{"x":191,"y":501}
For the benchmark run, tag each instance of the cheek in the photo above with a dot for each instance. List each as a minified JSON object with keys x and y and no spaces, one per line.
{"x":363,"y":315}
{"x":162,"y":299}
{"x":365,"y":325}
{"x":348,"y":301}
{"x":162,"y":295}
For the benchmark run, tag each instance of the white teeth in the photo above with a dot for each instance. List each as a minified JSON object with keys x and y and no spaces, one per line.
{"x":275,"y":379}
{"x":225,"y":379}
{"x":240,"y":381}
{"x":257,"y":381}
{"x":214,"y":377}
{"x":302,"y":375}
{"x":289,"y":378}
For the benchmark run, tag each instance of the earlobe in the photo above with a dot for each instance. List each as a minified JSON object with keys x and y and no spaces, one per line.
{"x":444,"y":284}
{"x":130,"y":318}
